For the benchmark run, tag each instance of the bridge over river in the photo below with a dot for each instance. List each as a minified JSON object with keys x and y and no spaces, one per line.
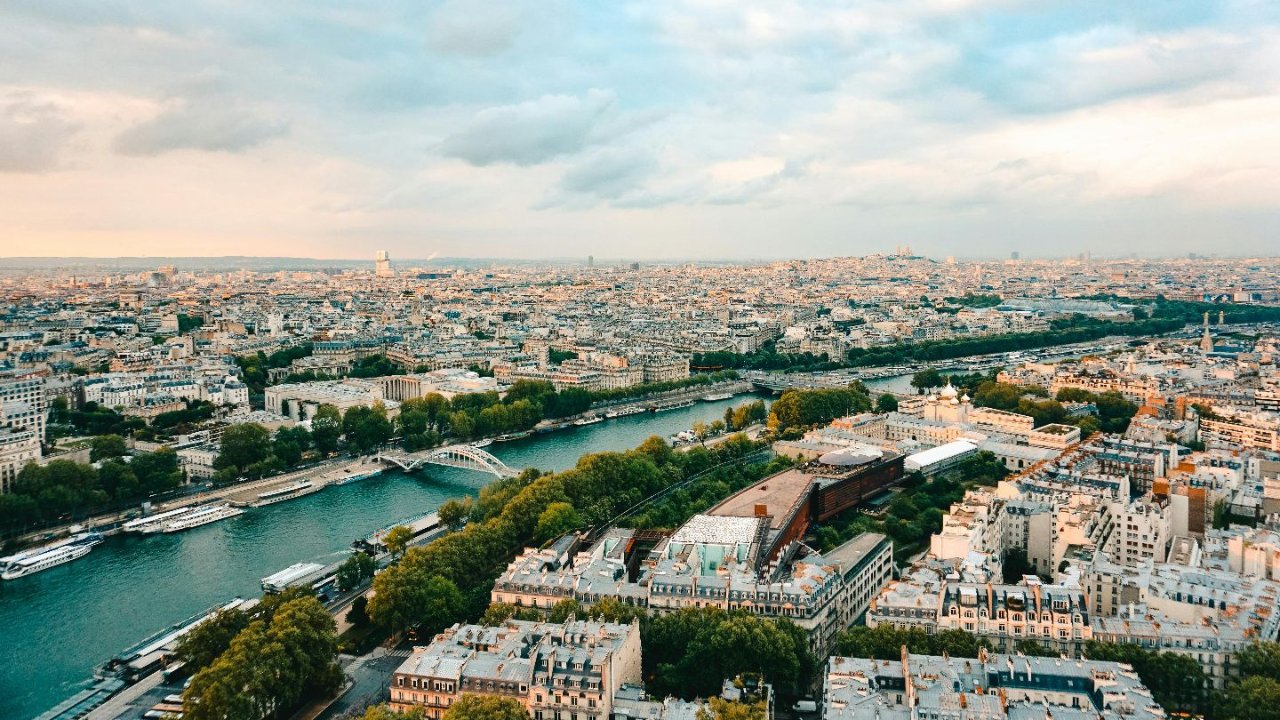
{"x":466,"y":457}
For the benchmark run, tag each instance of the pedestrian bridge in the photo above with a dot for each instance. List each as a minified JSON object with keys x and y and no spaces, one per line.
{"x":465,"y":457}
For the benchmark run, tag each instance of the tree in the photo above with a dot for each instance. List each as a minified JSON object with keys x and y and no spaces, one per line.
{"x":983,"y":468}
{"x":407,"y":596}
{"x":200,"y":647}
{"x":1253,"y":698}
{"x":289,"y":444}
{"x":367,"y":428}
{"x":1034,"y":648}
{"x":691,"y":651}
{"x":455,"y":513}
{"x":384,"y":712}
{"x":721,"y":709}
{"x":358,"y":615}
{"x":499,"y":613}
{"x":107,"y":446}
{"x":118,"y":480}
{"x":486,"y":707}
{"x":558,"y":519}
{"x":700,"y":430}
{"x":270,"y":667}
{"x":326,"y":428}
{"x":397,"y":539}
{"x":158,"y":471}
{"x":886,"y":403}
{"x":804,"y":408}
{"x":926,"y":379}
{"x":243,"y":445}
{"x":1260,"y":658}
{"x":357,"y":568}
{"x":1177,"y":682}
{"x":461,"y":425}
{"x":1015,"y":565}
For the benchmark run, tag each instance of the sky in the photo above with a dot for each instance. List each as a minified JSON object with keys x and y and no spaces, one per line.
{"x":676,"y":129}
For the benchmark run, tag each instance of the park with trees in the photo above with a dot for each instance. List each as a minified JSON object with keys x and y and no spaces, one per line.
{"x":63,"y":490}
{"x":283,"y":657}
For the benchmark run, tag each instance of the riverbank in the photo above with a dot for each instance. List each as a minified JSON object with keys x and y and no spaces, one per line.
{"x":329,"y":472}
{"x":109,"y":523}
{"x":62,"y":623}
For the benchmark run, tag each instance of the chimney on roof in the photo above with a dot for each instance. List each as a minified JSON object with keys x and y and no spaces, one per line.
{"x":761,"y":510}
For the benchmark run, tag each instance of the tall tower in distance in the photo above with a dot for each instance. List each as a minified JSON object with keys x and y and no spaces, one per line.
{"x":382,"y":264}
{"x":591,"y":261}
{"x":1206,"y":340}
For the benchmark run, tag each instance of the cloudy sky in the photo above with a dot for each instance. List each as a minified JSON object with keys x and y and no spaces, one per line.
{"x":689,"y":128}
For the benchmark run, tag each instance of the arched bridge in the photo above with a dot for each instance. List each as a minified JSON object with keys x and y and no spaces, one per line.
{"x":465,"y":457}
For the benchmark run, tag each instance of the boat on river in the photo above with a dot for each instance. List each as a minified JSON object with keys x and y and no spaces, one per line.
{"x":673,"y":406}
{"x":295,"y":490}
{"x":201,"y":516}
{"x":43,"y":558}
{"x":155,"y":523}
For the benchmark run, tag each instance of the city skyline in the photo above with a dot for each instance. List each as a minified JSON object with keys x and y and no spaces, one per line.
{"x":691,"y":131}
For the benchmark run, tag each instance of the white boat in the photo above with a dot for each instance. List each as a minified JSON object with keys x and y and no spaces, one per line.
{"x":201,"y":516}
{"x":624,"y":411}
{"x":295,"y":490}
{"x":33,"y":561}
{"x":486,"y":442}
{"x":295,"y":574}
{"x":592,"y":420}
{"x":714,"y":397}
{"x":155,"y":523}
{"x":676,"y":406}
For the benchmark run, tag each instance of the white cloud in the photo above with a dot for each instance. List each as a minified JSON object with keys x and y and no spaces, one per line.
{"x":209,"y":126}
{"x":610,"y":175}
{"x":476,"y":124}
{"x":470,"y":28}
{"x":535,"y":131}
{"x":34,"y":132}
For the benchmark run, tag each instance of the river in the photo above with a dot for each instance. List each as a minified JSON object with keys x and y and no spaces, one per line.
{"x":58,"y":625}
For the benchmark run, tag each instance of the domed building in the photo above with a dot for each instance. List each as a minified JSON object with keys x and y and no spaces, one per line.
{"x":948,"y":405}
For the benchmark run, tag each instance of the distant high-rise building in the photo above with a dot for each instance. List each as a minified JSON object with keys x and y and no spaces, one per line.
{"x":382,"y":264}
{"x":635,"y":266}
{"x":591,"y":261}
{"x":1015,"y":255}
